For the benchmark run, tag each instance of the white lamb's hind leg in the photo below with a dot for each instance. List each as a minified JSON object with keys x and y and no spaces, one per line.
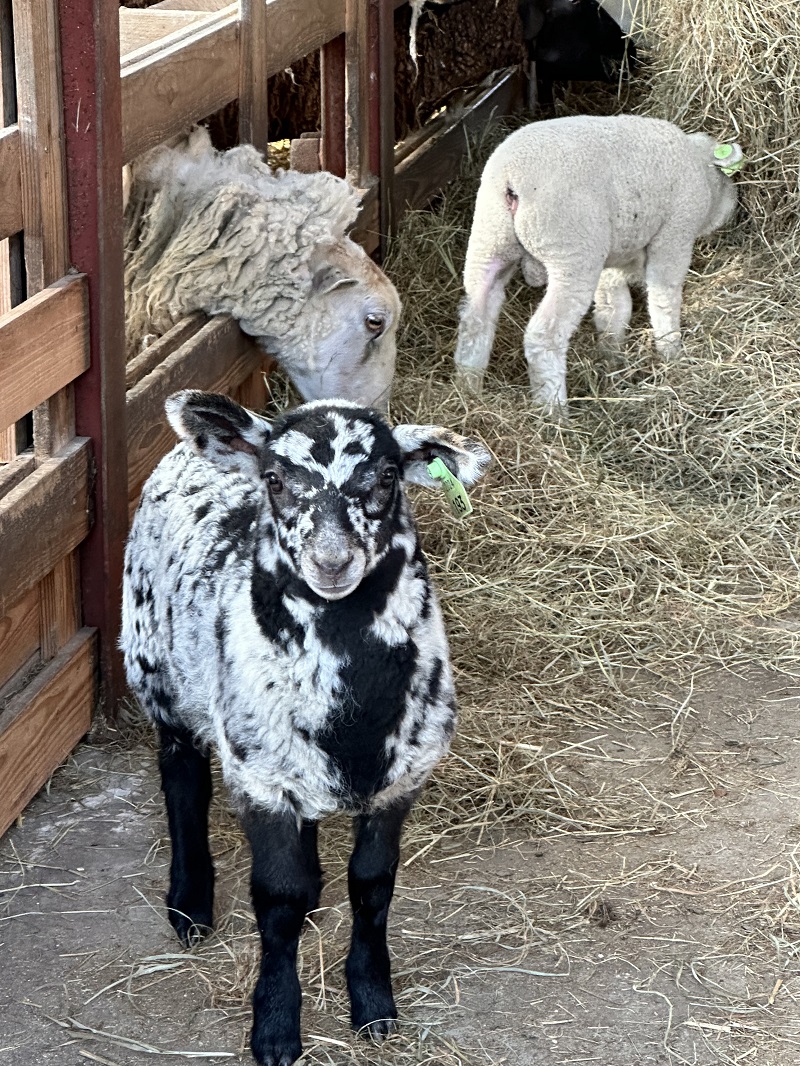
{"x":479,"y":312}
{"x":547,"y":337}
{"x":665,"y":273}
{"x":612,"y":309}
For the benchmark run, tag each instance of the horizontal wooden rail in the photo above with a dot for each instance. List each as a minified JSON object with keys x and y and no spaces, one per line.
{"x":42,"y":519}
{"x":171,"y":87}
{"x":40,"y":726}
{"x":10,"y":182}
{"x":172,"y":81}
{"x":437,"y":160}
{"x":44,"y":345}
{"x":218,"y":358}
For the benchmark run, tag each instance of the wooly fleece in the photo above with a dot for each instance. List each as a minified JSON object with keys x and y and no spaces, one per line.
{"x":220,"y":232}
{"x":580,"y":204}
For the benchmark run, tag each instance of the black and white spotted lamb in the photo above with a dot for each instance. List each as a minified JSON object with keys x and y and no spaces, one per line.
{"x":277,"y":605}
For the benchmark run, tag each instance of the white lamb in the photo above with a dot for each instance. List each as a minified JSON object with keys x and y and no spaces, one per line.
{"x":219,"y":232}
{"x":583,"y":204}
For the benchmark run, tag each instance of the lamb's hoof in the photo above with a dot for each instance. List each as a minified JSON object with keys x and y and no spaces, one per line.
{"x":373,"y":1015}
{"x":377,"y":1030}
{"x":468,"y":379}
{"x":190,"y":929}
{"x":275,"y":1052}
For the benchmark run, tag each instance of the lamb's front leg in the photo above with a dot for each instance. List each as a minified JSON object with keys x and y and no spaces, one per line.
{"x":284,"y":888}
{"x":373,"y":866}
{"x":186,"y":783}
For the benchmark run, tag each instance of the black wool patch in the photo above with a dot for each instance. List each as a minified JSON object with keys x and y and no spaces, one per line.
{"x":267,"y":591}
{"x":375,"y":680}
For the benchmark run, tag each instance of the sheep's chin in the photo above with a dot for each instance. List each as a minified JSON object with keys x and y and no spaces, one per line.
{"x":333,"y":592}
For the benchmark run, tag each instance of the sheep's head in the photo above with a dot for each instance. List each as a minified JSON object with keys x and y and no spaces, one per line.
{"x":219,"y":232}
{"x":332,"y":476}
{"x":343,"y":342}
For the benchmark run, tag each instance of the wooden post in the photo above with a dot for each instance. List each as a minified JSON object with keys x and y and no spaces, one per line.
{"x":357,"y":111}
{"x":12,"y":280}
{"x":93,"y":140}
{"x":253,"y":117}
{"x":333,"y":95}
{"x":383,"y":119}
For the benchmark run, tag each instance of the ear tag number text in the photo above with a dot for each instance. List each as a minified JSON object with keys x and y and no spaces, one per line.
{"x":455,"y":492}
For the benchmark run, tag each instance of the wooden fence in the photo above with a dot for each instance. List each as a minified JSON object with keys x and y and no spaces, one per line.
{"x":85,"y":88}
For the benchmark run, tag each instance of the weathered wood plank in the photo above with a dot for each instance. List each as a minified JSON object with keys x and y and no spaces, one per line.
{"x":157,"y":352}
{"x":217,"y":359}
{"x":40,"y":726}
{"x":43,"y":346}
{"x":60,"y":605}
{"x":437,"y":160}
{"x":254,"y":60}
{"x":44,"y":205}
{"x":14,"y":469}
{"x":42,"y":519}
{"x":93,"y":145}
{"x":358,"y":134}
{"x":165,"y":92}
{"x":141,"y":29}
{"x":10,"y":182}
{"x":297,"y":27}
{"x":19,"y":634}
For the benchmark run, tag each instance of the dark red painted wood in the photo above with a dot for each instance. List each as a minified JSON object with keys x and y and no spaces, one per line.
{"x":93,"y":132}
{"x":332,"y":68}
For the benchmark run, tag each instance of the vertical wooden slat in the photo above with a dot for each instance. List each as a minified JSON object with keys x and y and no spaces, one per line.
{"x":357,"y":131}
{"x":11,"y":282}
{"x":253,"y":116}
{"x":40,"y":125}
{"x":93,"y":135}
{"x":385,"y":163}
{"x":333,"y":95}
{"x":44,"y":211}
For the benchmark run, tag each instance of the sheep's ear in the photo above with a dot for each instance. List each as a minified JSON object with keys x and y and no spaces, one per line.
{"x":219,"y":429}
{"x":465,"y":458}
{"x":330,"y":277}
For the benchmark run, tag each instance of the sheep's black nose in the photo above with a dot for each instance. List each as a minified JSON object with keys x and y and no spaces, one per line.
{"x":333,"y":565}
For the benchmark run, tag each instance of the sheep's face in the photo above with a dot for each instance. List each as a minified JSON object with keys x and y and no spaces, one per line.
{"x":332,"y":475}
{"x":344,"y":341}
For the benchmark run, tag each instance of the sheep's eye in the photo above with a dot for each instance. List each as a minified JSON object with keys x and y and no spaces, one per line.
{"x":274,"y":482}
{"x":389,"y":476}
{"x":375,"y":324}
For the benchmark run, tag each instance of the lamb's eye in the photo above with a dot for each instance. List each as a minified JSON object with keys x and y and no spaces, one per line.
{"x":389,"y":476}
{"x":274,"y":482}
{"x":375,"y":324}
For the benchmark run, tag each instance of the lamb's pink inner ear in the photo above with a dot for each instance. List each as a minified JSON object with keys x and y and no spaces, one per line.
{"x":238,"y":444}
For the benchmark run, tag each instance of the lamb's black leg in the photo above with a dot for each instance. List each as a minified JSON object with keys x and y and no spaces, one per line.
{"x":308,"y":841}
{"x":284,"y":889}
{"x":186,"y":781}
{"x":373,"y":866}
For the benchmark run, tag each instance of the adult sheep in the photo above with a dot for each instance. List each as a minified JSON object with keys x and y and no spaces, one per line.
{"x":277,"y":605}
{"x":219,"y":232}
{"x":583,"y":204}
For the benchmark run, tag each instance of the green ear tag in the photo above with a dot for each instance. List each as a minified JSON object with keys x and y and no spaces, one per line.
{"x":729,"y":158}
{"x":453,"y":489}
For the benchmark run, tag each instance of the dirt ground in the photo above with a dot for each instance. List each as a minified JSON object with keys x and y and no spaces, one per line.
{"x":674,"y":944}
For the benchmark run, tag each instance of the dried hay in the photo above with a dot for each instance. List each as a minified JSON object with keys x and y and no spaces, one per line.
{"x":731,"y":67}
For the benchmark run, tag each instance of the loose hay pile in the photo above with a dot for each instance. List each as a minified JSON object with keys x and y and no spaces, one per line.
{"x":656,"y":535}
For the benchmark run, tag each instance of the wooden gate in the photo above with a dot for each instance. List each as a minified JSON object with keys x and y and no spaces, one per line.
{"x":85,"y":88}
